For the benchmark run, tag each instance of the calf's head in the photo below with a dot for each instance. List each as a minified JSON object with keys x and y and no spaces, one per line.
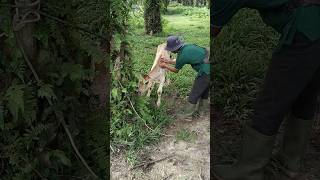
{"x":142,"y":85}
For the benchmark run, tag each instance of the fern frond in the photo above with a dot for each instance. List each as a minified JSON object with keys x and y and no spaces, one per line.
{"x":14,"y":97}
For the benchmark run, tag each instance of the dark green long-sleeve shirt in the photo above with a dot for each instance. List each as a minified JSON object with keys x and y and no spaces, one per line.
{"x":304,"y":19}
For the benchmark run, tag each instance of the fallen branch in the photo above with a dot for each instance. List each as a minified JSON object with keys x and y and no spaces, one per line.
{"x":151,"y":162}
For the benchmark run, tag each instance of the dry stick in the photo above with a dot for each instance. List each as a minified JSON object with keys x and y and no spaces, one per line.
{"x":62,"y":120}
{"x":112,"y":149}
{"x":74,"y":145}
{"x":134,"y":109}
{"x":151,"y":162}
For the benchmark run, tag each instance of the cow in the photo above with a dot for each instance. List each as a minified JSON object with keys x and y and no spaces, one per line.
{"x":155,"y":75}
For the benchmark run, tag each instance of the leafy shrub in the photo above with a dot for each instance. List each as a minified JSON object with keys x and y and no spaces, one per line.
{"x":136,"y":19}
{"x":34,"y":144}
{"x":188,"y":11}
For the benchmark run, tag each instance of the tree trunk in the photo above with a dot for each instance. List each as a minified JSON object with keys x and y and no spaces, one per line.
{"x":152,"y":17}
{"x":26,"y":35}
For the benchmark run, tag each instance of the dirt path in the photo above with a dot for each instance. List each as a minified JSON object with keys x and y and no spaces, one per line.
{"x":189,"y":149}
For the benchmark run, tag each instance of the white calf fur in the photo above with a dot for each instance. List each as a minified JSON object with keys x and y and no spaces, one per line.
{"x":155,"y":75}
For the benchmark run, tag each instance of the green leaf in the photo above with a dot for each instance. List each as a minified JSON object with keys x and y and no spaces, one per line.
{"x":1,"y":118}
{"x":74,"y":71}
{"x":124,"y":90}
{"x":61,"y":156}
{"x":14,"y":96}
{"x":114,"y":93}
{"x":94,"y":51}
{"x":46,"y":91}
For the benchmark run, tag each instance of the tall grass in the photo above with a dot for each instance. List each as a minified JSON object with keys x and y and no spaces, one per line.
{"x":241,"y":54}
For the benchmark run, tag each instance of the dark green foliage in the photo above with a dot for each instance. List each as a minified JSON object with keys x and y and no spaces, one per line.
{"x":131,"y":114}
{"x":241,"y":54}
{"x":152,"y":16}
{"x":165,"y":4}
{"x":33,"y":141}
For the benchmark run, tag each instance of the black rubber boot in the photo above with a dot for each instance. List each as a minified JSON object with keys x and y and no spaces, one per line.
{"x":294,"y":146}
{"x":255,"y":155}
{"x":203,"y":107}
{"x":188,"y":111}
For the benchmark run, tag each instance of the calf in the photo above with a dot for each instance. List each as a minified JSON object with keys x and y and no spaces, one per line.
{"x":155,"y":75}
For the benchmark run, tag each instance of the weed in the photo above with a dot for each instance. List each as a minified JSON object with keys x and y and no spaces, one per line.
{"x":131,"y":157}
{"x":186,"y":135}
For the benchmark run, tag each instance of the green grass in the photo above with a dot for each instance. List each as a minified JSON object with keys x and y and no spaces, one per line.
{"x":191,"y":28}
{"x":186,"y":135}
{"x":241,"y":54}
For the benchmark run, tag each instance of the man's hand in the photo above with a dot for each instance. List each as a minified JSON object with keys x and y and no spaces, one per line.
{"x":163,"y":60}
{"x":167,"y":61}
{"x":168,"y":67}
{"x":163,"y":65}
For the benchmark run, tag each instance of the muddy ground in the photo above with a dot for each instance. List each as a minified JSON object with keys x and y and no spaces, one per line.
{"x":186,"y":159}
{"x":227,"y":138}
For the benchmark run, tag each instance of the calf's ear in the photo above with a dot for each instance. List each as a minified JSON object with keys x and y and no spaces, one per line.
{"x":146,"y":77}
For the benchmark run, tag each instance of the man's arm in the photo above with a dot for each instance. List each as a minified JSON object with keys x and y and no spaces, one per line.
{"x":170,"y":68}
{"x":168,"y":61}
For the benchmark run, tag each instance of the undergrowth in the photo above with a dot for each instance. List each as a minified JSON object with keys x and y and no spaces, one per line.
{"x":33,"y":140}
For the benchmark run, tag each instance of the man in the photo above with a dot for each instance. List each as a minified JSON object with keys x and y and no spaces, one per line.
{"x":198,"y":58}
{"x":290,"y":87}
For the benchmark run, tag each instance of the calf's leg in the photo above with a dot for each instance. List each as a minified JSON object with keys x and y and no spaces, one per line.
{"x":150,"y":87}
{"x":159,"y":92}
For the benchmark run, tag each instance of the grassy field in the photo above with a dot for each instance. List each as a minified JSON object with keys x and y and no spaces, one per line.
{"x":191,"y":24}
